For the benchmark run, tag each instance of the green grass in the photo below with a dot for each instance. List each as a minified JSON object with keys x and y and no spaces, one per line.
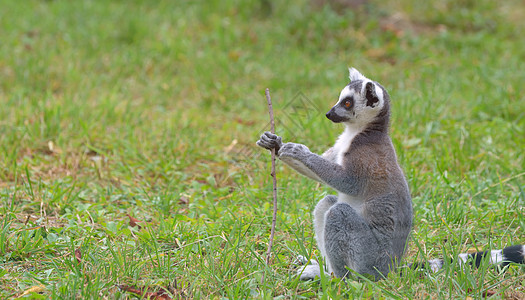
{"x":152,"y":109}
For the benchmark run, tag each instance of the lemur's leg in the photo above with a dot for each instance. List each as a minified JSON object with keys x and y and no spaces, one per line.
{"x":351,"y":243}
{"x":319,"y":221}
{"x":314,"y":269}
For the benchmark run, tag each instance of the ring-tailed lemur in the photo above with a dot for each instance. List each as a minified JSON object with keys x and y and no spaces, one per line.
{"x":365,"y":228}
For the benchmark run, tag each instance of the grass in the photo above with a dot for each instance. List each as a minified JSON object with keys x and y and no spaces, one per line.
{"x":151,"y":109}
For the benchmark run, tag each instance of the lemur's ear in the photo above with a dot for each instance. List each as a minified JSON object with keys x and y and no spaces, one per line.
{"x":355,"y":75}
{"x":371,"y":96}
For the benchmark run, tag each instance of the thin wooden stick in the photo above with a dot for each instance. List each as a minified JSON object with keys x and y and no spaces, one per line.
{"x":274,"y":219}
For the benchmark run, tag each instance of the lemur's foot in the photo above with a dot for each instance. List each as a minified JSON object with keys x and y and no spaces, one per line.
{"x":307,"y":272}
{"x":302,"y":260}
{"x":270,"y":141}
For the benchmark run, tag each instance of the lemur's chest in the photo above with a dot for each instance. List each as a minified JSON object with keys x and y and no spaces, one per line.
{"x":342,"y":145}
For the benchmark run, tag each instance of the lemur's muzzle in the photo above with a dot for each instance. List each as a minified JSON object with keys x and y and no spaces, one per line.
{"x":334,"y":117}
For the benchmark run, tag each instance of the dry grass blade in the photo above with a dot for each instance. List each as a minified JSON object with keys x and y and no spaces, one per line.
{"x":161,"y":294}
{"x":133,"y":222}
{"x":78,"y":255}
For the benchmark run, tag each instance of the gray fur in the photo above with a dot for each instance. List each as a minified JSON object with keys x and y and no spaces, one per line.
{"x":365,"y":228}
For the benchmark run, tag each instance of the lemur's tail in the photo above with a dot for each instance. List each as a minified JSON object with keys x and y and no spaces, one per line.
{"x":512,"y":254}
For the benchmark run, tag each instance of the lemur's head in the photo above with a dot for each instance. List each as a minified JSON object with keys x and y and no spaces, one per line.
{"x":361,"y":102}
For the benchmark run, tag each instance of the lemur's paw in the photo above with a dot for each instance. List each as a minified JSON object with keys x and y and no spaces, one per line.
{"x":308,"y":269}
{"x":302,"y":260}
{"x":309,"y":272}
{"x":293,"y":150}
{"x":270,"y":141}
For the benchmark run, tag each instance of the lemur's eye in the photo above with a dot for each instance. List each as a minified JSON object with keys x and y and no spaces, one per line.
{"x":348,"y":103}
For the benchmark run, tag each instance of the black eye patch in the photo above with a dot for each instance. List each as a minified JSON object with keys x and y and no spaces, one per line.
{"x":347,"y":102}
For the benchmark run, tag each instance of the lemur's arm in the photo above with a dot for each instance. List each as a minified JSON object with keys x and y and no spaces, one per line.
{"x":314,"y":166}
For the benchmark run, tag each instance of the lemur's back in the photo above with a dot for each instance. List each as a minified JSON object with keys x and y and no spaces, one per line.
{"x":387,"y":202}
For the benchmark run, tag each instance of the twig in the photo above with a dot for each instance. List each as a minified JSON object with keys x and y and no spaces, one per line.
{"x":274,"y":218}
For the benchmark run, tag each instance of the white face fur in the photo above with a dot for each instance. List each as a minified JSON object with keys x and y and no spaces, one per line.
{"x":359,"y":102}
